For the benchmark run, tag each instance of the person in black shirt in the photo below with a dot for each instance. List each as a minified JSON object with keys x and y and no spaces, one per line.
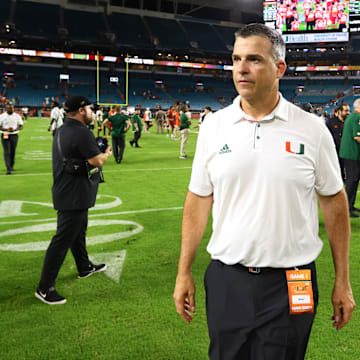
{"x":335,"y":125}
{"x":77,"y":162}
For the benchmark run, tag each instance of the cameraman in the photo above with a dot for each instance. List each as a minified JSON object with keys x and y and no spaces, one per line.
{"x":76,"y":157}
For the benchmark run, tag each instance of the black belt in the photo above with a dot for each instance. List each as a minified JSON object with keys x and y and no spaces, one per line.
{"x":259,"y":270}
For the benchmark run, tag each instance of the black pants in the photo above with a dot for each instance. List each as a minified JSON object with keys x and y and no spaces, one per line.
{"x":118,"y":144}
{"x":248,"y":315}
{"x":70,"y":234}
{"x":137,"y":135}
{"x":352,"y":176}
{"x":342,"y":168}
{"x":9,"y":146}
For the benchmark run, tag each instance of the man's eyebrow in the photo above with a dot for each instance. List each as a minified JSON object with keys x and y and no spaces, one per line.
{"x":249,"y":56}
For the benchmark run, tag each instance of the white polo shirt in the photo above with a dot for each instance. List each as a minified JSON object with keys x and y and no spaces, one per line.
{"x":57,"y":115}
{"x":10,"y":121}
{"x":264,"y":177}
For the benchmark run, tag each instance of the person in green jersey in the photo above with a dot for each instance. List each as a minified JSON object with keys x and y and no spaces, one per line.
{"x":136,"y":128}
{"x":184,"y":131}
{"x":350,"y":152}
{"x":120,"y":125}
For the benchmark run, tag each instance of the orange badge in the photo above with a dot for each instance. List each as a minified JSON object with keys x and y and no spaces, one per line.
{"x":301,"y":300}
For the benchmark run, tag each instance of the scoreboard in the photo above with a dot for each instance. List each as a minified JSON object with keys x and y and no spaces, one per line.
{"x":298,"y":30}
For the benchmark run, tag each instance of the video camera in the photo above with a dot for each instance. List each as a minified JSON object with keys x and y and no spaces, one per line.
{"x":102,"y":143}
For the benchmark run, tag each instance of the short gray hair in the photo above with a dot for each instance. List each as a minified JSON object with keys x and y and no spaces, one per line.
{"x":278,"y":45}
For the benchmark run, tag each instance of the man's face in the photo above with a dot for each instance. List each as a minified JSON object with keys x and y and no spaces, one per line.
{"x":9,"y":109}
{"x":87,"y":114}
{"x":344,"y":113}
{"x":255,"y":72}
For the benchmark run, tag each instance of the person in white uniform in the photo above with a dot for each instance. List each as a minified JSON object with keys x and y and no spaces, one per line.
{"x":56,"y":116}
{"x":261,"y":164}
{"x":10,"y":125}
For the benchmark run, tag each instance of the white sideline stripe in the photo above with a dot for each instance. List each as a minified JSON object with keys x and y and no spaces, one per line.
{"x":95,"y":215}
{"x":107,"y":171}
{"x":114,"y":262}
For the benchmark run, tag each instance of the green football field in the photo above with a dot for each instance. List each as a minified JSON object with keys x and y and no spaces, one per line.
{"x":127,"y":312}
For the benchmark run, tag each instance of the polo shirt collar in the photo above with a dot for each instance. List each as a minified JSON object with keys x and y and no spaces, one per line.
{"x":280,"y":112}
{"x":73,"y":122}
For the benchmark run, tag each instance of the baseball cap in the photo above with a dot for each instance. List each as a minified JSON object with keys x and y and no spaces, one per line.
{"x":75,"y":102}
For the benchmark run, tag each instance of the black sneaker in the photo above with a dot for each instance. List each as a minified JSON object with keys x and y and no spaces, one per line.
{"x":50,"y":296}
{"x":92,"y":270}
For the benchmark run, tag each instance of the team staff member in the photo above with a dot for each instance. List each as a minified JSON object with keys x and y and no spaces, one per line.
{"x":184,"y":131}
{"x":350,"y":153}
{"x":56,"y":118}
{"x":335,"y":125}
{"x":136,"y":128}
{"x":10,"y":125}
{"x":119,"y":126}
{"x":74,"y":192}
{"x":160,"y":119}
{"x":99,"y":120}
{"x":261,"y":169}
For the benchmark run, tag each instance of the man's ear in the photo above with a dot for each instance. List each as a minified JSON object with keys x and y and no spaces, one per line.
{"x":281,"y":68}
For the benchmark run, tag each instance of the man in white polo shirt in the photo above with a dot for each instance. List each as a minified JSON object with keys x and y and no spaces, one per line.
{"x":261,"y":164}
{"x":10,"y":125}
{"x":56,"y":116}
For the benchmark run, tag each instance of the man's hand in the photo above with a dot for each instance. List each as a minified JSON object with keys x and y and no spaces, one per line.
{"x":343,"y":304}
{"x":108,"y":151}
{"x":184,"y":296}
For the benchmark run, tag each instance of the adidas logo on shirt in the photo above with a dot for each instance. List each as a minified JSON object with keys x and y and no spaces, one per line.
{"x":225,"y":149}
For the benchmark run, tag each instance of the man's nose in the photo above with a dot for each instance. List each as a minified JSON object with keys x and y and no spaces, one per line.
{"x":242,"y":67}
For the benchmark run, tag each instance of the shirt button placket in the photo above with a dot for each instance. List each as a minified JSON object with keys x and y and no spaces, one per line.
{"x":257,"y":140}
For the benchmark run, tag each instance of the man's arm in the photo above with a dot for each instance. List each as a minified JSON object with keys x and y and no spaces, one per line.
{"x":128,"y":125}
{"x":100,"y":159}
{"x":195,"y":217}
{"x":50,"y":125}
{"x":336,"y":217}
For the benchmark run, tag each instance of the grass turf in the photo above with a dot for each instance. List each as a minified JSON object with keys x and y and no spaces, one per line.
{"x":135,"y":318}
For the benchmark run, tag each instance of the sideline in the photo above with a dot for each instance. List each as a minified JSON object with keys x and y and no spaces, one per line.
{"x":107,"y":171}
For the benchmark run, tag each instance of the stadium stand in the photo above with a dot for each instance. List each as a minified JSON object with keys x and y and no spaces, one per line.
{"x":202,"y":36}
{"x":40,"y":25}
{"x":169,"y":33}
{"x":226,"y":34}
{"x":84,"y":25}
{"x":130,"y":30}
{"x":4,"y":11}
{"x":36,"y":85}
{"x":145,"y":34}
